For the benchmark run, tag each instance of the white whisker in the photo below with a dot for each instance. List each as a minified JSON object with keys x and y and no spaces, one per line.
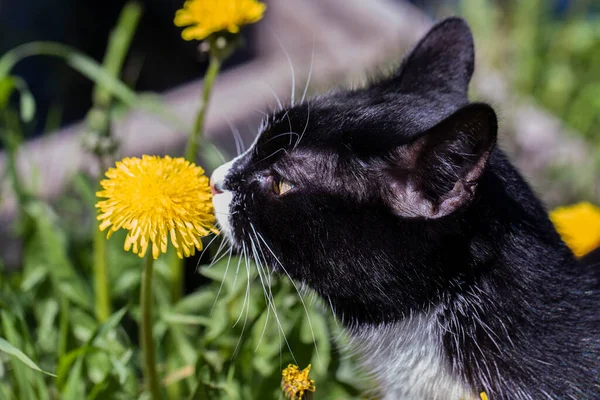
{"x":205,"y":249}
{"x":289,"y":59}
{"x":269,"y":298}
{"x":312,"y":59}
{"x":222,"y":280}
{"x":305,"y":125}
{"x":279,"y":103}
{"x":218,"y":256}
{"x":219,"y":153}
{"x":239,"y":143}
{"x":259,"y":236}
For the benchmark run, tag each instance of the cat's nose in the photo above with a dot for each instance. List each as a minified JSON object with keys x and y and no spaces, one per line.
{"x":214,"y":187}
{"x":217,"y":179}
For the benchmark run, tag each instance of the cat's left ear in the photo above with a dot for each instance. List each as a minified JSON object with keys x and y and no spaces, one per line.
{"x":438,"y":173}
{"x":442,"y":61}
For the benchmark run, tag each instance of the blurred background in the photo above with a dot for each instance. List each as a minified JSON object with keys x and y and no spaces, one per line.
{"x":538,"y":64}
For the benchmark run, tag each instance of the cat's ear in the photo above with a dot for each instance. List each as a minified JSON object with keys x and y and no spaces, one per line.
{"x":438,"y":173}
{"x":442,"y":61}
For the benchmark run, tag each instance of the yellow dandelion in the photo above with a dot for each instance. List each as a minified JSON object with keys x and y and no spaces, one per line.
{"x":579,"y":227}
{"x":154,"y":198}
{"x":203,"y":17}
{"x":295,"y":382}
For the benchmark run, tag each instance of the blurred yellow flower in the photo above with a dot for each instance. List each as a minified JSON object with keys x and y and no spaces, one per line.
{"x":203,"y":17}
{"x":153,"y":198}
{"x":579,"y":227}
{"x":483,"y":396}
{"x":295,"y":382}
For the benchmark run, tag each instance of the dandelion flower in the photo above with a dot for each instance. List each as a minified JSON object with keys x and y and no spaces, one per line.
{"x":295,"y":382}
{"x":203,"y":17}
{"x":155,"y":198}
{"x":579,"y":227}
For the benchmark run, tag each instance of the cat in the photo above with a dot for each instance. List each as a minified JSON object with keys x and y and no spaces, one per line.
{"x":394,"y":203}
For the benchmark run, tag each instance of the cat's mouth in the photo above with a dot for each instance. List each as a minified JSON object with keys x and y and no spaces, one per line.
{"x":222,"y":198}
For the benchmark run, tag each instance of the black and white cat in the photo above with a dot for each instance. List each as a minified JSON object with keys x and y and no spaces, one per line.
{"x":393,"y":203}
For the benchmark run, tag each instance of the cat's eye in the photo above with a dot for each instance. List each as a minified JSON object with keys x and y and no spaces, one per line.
{"x":281,"y":186}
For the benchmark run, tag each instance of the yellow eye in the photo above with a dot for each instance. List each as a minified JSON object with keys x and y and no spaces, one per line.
{"x":281,"y":186}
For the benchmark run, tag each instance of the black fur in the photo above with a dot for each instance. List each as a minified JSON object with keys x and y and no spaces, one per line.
{"x":402,"y":203}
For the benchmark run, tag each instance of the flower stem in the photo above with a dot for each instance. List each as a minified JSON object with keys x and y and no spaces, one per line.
{"x":191,"y":152}
{"x":146,"y":336}
{"x":209,"y":78}
{"x":101,"y":285}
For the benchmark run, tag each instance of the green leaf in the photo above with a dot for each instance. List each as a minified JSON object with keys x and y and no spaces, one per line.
{"x":7,"y":86}
{"x":21,"y":373}
{"x":27,"y":103}
{"x":47,"y":247}
{"x":79,"y":353}
{"x":186,"y":319}
{"x":74,"y":389}
{"x":13,"y":351}
{"x":33,"y":277}
{"x":195,"y":302}
{"x":90,"y":69}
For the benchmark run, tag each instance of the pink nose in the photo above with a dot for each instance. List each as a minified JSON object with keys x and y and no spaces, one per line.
{"x":214,"y":187}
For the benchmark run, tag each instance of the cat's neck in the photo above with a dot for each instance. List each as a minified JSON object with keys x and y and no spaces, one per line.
{"x":504,"y":327}
{"x":468,"y":343}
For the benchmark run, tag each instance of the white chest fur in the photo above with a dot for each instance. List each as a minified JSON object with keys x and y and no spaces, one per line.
{"x":408,"y":361}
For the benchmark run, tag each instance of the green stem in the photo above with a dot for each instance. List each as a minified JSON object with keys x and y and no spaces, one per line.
{"x":190,"y":154}
{"x":209,"y":78}
{"x":146,"y":336}
{"x":117,"y":49}
{"x":101,"y":282}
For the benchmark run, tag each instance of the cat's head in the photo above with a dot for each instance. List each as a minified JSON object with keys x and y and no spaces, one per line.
{"x":357,"y":193}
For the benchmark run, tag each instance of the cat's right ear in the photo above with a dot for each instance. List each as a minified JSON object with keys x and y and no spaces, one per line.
{"x":442,"y":61}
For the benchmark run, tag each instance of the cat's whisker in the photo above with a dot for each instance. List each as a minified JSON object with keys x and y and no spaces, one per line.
{"x":270,"y":294}
{"x":271,"y":301}
{"x":224,"y":213}
{"x":271,"y":155}
{"x":218,"y":256}
{"x":247,"y":287}
{"x":333,"y":311}
{"x":280,"y":135}
{"x":274,"y":93}
{"x":206,"y":249}
{"x":305,"y":125}
{"x":262,"y":334}
{"x":280,"y":351}
{"x":287,"y":115}
{"x":223,"y":280}
{"x":295,"y":286}
{"x":237,"y":271}
{"x":289,"y":59}
{"x":312,"y":60}
{"x":236,"y":137}
{"x":219,"y":153}
{"x":247,"y":304}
